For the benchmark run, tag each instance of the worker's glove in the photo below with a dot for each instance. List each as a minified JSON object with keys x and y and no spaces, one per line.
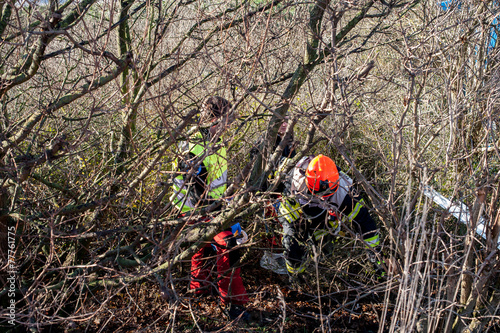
{"x":378,"y":263}
{"x":334,"y":224}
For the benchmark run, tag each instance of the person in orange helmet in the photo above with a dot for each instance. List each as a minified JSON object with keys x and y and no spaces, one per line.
{"x":319,"y":199}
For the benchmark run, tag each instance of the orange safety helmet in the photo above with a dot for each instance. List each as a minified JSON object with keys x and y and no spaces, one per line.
{"x":322,"y":176}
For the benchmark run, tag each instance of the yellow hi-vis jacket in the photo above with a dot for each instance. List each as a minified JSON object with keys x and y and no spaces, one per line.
{"x":214,"y":160}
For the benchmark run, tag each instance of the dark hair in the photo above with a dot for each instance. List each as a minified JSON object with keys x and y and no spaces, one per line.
{"x":214,"y":107}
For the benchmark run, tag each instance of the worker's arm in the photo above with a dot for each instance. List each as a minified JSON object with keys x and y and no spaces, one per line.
{"x":289,"y":214}
{"x":354,"y":211}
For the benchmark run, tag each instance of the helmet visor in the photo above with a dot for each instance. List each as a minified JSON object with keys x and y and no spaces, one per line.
{"x":325,"y":188}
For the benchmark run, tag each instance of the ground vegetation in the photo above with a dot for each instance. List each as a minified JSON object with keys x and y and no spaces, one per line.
{"x":94,"y":96}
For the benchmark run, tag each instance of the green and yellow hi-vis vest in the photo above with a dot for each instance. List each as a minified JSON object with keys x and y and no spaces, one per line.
{"x":215,"y":163}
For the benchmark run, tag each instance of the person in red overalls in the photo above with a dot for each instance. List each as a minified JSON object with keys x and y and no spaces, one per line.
{"x":230,"y":284}
{"x":200,"y":181}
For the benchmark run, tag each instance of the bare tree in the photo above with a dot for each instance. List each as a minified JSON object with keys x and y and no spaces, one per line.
{"x":95,"y":96}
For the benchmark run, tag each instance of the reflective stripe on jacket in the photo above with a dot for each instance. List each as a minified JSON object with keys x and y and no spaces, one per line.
{"x":289,"y":209}
{"x":215,"y":163}
{"x":316,"y":210}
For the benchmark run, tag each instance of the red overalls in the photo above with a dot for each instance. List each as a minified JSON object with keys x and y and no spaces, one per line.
{"x":230,"y":284}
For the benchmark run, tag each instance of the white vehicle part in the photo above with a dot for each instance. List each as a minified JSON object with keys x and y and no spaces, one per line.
{"x":459,"y":210}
